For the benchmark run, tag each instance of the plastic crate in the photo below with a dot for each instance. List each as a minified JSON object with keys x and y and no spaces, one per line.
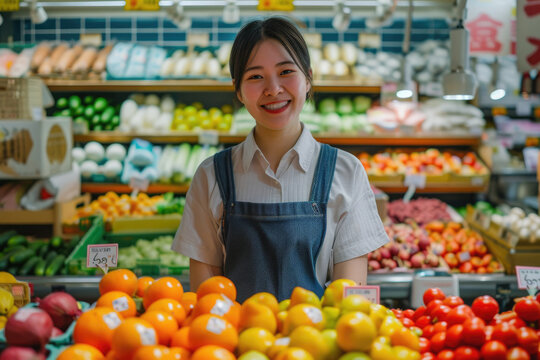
{"x":20,"y":291}
{"x":94,"y":231}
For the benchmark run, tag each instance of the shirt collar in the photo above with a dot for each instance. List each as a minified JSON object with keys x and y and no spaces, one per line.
{"x":305,"y":147}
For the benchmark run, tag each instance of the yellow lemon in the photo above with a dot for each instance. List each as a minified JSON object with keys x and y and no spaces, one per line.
{"x":253,"y":314}
{"x":267,"y":299}
{"x":284,"y":304}
{"x":381,"y":351}
{"x":355,"y":332}
{"x":404,"y":337}
{"x":6,"y":277}
{"x":383,"y":340}
{"x":253,"y":355}
{"x":303,"y":296}
{"x":389,"y":325}
{"x":281,"y":316}
{"x":277,"y":347}
{"x":255,"y":339}
{"x":334,"y":292}
{"x":311,"y":340}
{"x":354,"y":303}
{"x":330,"y":338}
{"x":377,"y":314}
{"x":294,"y":353}
{"x":331,"y":315}
{"x":355,"y":356}
{"x":303,"y":314}
{"x":403,"y":353}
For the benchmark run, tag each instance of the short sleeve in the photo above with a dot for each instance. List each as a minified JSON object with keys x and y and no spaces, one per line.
{"x":198,"y":235}
{"x":359,"y":229}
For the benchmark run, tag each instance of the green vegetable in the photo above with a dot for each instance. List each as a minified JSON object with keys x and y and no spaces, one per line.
{"x":89,"y":112}
{"x":56,"y":241}
{"x":21,"y":256}
{"x":98,"y":128}
{"x":107,"y":115}
{"x":39,"y":268}
{"x":17,"y":240}
{"x":100,"y":104}
{"x":29,"y":265}
{"x":65,"y":112}
{"x":5,"y":236}
{"x":55,"y":265}
{"x":78,"y":110}
{"x":61,"y":103}
{"x":88,"y":100}
{"x":74,"y":102}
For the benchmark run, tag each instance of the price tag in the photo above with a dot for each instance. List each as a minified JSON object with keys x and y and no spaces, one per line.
{"x":91,"y":40}
{"x":277,"y":5}
{"x":9,"y":5}
{"x":416,"y":180}
{"x":138,"y":183}
{"x":370,"y":292}
{"x":198,"y":39}
{"x":464,"y":256}
{"x":523,"y":108}
{"x":208,"y":137}
{"x":145,"y":5}
{"x":368,"y":40}
{"x":102,"y":256}
{"x":528,"y":277}
{"x":313,"y":40}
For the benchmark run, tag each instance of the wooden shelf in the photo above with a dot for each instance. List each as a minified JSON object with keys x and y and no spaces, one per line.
{"x":397,"y":139}
{"x":102,"y":188}
{"x":59,"y":85}
{"x":441,"y":188}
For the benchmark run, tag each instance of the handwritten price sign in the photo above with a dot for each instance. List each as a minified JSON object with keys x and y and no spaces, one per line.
{"x":528,"y":277}
{"x":370,"y":292}
{"x":102,"y":256}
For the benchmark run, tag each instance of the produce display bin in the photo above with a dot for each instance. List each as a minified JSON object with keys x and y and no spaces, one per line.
{"x":20,"y":291}
{"x":130,"y":224}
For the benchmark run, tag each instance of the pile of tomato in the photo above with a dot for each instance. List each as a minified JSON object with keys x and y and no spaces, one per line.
{"x":451,"y":330}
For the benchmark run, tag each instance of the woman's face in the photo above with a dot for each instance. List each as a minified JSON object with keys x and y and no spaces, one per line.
{"x":273,"y":87}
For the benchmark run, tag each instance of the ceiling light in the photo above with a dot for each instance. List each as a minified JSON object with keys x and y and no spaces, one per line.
{"x":178,"y":15}
{"x":460,"y":83}
{"x":37,"y":13}
{"x":1,"y":20}
{"x":496,"y":87}
{"x":406,"y":89}
{"x":231,"y":12}
{"x":342,"y":17}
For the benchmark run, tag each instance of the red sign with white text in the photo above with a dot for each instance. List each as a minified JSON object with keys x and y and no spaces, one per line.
{"x":528,"y":35}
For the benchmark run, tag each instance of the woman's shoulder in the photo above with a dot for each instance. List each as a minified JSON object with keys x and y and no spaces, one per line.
{"x":347,"y":160}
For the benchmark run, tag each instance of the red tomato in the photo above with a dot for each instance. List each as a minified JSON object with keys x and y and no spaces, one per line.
{"x":424,"y":344}
{"x":466,"y":353}
{"x":466,"y":267}
{"x":517,"y":322}
{"x":453,"y":301}
{"x":419,"y":312}
{"x":409,"y":313}
{"x":459,"y":314}
{"x":517,"y":353}
{"x":432,"y":294}
{"x":398,"y":313}
{"x":474,"y":331}
{"x":494,"y":350}
{"x":445,"y":355}
{"x":432,"y":305}
{"x":440,"y":313}
{"x":528,"y":340}
{"x":407,"y":322}
{"x":489,"y":332}
{"x":423,"y":321}
{"x":440,"y":326}
{"x":538,"y":297}
{"x":485,"y":307}
{"x":428,"y":331}
{"x":505,"y":333}
{"x":528,"y":309}
{"x":454,"y":336}
{"x":436,"y":344}
{"x":428,"y":356}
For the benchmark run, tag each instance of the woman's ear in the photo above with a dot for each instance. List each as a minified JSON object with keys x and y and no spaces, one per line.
{"x":238,"y":93}
{"x":308,"y":85}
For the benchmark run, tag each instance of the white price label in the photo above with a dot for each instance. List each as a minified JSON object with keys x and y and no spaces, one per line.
{"x":198,"y":39}
{"x":314,"y":314}
{"x":369,"y":40}
{"x":528,"y":277}
{"x":483,"y":219}
{"x":138,"y":183}
{"x":102,"y":256}
{"x":370,"y":292}
{"x":464,"y":256}
{"x":111,"y":320}
{"x":416,"y":180}
{"x":313,"y":40}
{"x":91,"y":39}
{"x":120,"y":304}
{"x":216,"y":325}
{"x":209,"y":137}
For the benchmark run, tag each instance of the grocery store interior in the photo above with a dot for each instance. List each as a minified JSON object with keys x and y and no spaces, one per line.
{"x":107,"y":108}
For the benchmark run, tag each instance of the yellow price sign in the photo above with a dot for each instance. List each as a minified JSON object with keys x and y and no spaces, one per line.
{"x":9,"y":5}
{"x":276,"y":5}
{"x":145,"y":5}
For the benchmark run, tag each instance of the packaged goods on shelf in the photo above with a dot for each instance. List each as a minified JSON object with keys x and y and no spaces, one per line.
{"x":23,"y":98}
{"x":35,"y":149}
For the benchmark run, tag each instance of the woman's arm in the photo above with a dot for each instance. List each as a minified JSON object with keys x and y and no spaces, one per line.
{"x":353,"y":269}
{"x":199,"y":271}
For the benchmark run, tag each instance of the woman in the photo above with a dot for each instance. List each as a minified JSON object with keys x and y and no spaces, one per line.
{"x":278,"y":210}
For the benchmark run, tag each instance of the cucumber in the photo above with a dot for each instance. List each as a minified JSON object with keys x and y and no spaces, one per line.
{"x":39,"y":269}
{"x":50,"y":257}
{"x":55,"y":265}
{"x":16,"y":240}
{"x":5,"y":236}
{"x":21,"y":256}
{"x":4,"y":259}
{"x":29,"y":265}
{"x":36,"y":245}
{"x":14,"y":249}
{"x":56,"y":242}
{"x":43,"y":250}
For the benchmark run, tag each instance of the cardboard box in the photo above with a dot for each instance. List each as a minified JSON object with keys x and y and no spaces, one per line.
{"x":23,"y":98}
{"x":35,"y":149}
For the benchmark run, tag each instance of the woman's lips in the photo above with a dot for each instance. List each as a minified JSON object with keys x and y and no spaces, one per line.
{"x":276,"y":107}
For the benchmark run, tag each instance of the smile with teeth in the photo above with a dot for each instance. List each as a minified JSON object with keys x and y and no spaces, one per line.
{"x":276,"y":105}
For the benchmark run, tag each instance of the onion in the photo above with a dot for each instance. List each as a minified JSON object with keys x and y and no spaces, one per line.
{"x":29,"y":327}
{"x":61,"y":307}
{"x":56,"y":332}
{"x":21,"y":353}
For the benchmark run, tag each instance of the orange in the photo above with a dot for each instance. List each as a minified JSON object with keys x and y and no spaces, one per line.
{"x":164,"y":324}
{"x":81,"y":352}
{"x":217,"y":284}
{"x":111,"y":355}
{"x":294,"y":353}
{"x":96,"y":326}
{"x":142,"y":284}
{"x":119,"y":280}
{"x":188,"y":301}
{"x":212,"y":352}
{"x":266,"y":299}
{"x":255,"y":339}
{"x":254,"y":314}
{"x":355,"y":332}
{"x":218,"y":304}
{"x":300,"y":295}
{"x":181,"y":338}
{"x":170,"y":306}
{"x":152,"y":352}
{"x":132,"y":334}
{"x":303,"y":314}
{"x":178,"y":353}
{"x":119,"y":301}
{"x":165,"y":288}
{"x":210,"y":329}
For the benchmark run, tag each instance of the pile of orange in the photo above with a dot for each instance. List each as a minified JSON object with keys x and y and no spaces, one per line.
{"x":210,"y":324}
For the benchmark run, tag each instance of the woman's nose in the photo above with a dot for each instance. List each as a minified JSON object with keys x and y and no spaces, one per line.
{"x":272,"y":87}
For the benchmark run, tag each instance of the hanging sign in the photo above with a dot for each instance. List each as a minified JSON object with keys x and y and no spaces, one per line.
{"x":275,"y":5}
{"x":144,"y":5}
{"x":528,"y":36}
{"x":9,"y":5}
{"x":490,"y":26}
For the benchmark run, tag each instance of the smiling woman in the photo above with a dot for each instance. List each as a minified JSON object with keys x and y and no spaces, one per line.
{"x":279,"y":210}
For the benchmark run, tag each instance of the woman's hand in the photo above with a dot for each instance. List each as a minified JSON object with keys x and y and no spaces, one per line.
{"x":354,"y":269}
{"x":199,"y":271}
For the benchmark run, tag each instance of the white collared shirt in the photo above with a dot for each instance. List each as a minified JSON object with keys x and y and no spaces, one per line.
{"x":354,"y":227}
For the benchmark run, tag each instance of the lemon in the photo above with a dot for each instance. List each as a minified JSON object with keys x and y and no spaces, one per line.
{"x":303,"y":314}
{"x":253,"y":355}
{"x":381,"y":351}
{"x":389,"y":325}
{"x":253,"y":314}
{"x":255,"y":339}
{"x":12,"y":311}
{"x":355,"y":356}
{"x":284,"y":305}
{"x":355,"y":332}
{"x":6,"y":301}
{"x":300,"y":295}
{"x":294,"y":353}
{"x":354,"y":303}
{"x":6,"y":277}
{"x":277,"y":347}
{"x":311,"y":340}
{"x":377,"y":314}
{"x":403,"y":353}
{"x":334,"y":292}
{"x":266,"y":299}
{"x":330,"y":338}
{"x":331,"y":315}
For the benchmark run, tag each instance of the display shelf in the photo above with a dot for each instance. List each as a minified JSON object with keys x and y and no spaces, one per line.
{"x":185,"y":85}
{"x":393,"y":286}
{"x":394,"y":139}
{"x":102,"y":188}
{"x":443,"y":188}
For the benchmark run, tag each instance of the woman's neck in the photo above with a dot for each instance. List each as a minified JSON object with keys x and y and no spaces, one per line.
{"x":275,"y":144}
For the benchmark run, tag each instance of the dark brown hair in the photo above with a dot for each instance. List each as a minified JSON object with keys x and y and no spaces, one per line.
{"x":276,"y":28}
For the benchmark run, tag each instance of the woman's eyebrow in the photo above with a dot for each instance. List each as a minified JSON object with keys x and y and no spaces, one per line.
{"x":286,"y":62}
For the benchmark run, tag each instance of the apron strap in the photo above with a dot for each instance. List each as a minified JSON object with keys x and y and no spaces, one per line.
{"x":224,"y":175}
{"x":324,"y":174}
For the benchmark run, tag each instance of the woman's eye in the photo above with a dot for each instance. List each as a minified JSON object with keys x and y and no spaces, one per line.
{"x":286,"y":72}
{"x":254,"y":77}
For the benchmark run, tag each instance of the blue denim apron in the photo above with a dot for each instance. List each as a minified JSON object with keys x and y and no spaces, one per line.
{"x":273,"y":247}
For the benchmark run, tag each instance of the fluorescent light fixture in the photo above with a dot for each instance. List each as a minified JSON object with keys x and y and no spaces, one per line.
{"x":37,"y":13}
{"x":496,"y":88}
{"x":1,"y":20}
{"x":231,"y":12}
{"x":497,"y":94}
{"x":342,"y":17}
